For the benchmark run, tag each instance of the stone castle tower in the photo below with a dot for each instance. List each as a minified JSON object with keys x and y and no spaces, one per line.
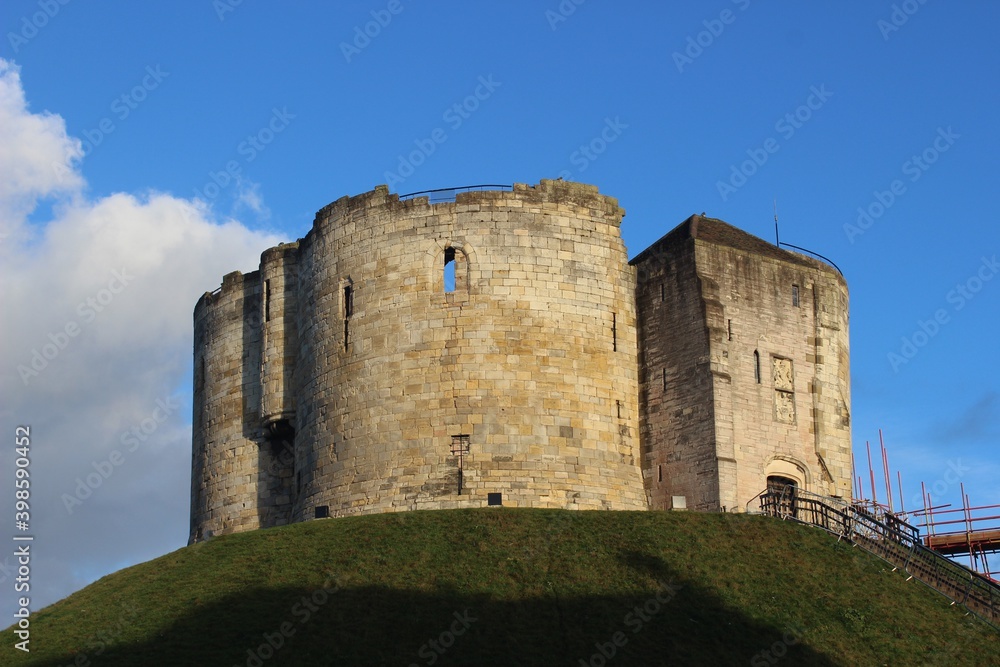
{"x":501,"y":349}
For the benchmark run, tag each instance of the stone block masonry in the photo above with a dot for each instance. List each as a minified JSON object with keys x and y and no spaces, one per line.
{"x":744,"y":371}
{"x":499,"y":348}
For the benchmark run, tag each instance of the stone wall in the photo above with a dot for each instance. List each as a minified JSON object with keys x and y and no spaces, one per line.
{"x":501,"y":348}
{"x":769,"y":394}
{"x":531,"y":356}
{"x":794,"y":421}
{"x":279,"y":306}
{"x":226,"y":422}
{"x":369,"y":384}
{"x":677,"y":407}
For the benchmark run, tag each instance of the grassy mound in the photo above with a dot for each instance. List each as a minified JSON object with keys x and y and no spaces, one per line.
{"x":511,"y":587}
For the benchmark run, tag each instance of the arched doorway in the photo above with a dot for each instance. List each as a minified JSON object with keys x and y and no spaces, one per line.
{"x":782,"y":492}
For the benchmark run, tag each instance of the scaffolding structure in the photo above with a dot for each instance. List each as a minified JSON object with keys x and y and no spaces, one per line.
{"x":964,"y":531}
{"x":956,"y":533}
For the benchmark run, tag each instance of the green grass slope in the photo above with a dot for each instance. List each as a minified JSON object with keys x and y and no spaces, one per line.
{"x":511,"y":587}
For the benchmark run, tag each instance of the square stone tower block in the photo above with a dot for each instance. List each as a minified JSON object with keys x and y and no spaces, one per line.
{"x":744,"y":369}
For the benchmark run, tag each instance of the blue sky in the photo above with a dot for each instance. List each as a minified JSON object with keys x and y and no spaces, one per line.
{"x":177,"y":141}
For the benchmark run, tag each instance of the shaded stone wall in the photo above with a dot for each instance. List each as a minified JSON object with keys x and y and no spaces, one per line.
{"x":226,"y":423}
{"x":678,"y":411}
{"x":279,"y":280}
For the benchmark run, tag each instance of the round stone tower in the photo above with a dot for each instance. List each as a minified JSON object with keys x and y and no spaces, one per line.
{"x":452,"y":351}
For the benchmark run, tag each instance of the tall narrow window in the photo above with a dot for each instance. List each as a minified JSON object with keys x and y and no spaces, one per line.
{"x":795,"y":295}
{"x":729,"y":327}
{"x":663,"y":293}
{"x":756,"y":366}
{"x":664,"y":374}
{"x":449,"y":270}
{"x":267,"y":300}
{"x":614,"y":332}
{"x":201,"y":414}
{"x":618,"y":408}
{"x":659,"y":473}
{"x":348,"y":311}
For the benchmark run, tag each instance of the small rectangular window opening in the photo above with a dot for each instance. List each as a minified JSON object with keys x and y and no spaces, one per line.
{"x":494,"y":499}
{"x":729,"y":326}
{"x":618,"y":408}
{"x":756,"y":366}
{"x":449,"y":270}
{"x":795,"y":295}
{"x":614,"y":332}
{"x":347,"y":335}
{"x":663,"y":293}
{"x":664,"y":376}
{"x":659,"y":473}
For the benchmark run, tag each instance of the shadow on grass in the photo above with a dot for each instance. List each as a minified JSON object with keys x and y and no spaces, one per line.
{"x":674,"y":622}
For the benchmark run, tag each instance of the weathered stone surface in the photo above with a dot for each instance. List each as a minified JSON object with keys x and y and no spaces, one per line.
{"x":347,"y":374}
{"x":744,"y":368}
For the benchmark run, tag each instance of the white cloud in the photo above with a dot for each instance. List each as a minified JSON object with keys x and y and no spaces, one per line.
{"x":101,"y":297}
{"x":37,"y":158}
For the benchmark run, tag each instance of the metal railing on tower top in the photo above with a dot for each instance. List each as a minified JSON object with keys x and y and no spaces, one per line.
{"x":448,"y":194}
